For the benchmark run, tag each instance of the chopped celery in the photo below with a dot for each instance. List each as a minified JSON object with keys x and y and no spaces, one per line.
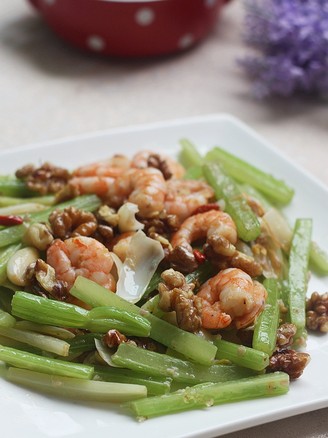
{"x":206,"y":395}
{"x":244,"y":172}
{"x":248,"y":226}
{"x":78,"y":389}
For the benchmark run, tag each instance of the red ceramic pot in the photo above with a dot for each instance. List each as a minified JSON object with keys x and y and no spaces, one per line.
{"x":131,"y":27}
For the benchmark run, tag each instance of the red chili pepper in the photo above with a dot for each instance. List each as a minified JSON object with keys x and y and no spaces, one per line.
{"x":199,"y":256}
{"x":9,"y":221}
{"x":206,"y":207}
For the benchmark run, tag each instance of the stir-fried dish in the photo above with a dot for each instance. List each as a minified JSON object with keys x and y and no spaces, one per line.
{"x":160,"y":284}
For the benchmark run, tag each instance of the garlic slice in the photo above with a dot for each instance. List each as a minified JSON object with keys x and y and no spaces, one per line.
{"x":127,"y":218}
{"x":143,"y":258}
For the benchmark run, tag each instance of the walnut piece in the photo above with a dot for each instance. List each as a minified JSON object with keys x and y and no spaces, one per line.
{"x":41,"y":280}
{"x":72,"y":222}
{"x":154,"y":160}
{"x":317,"y":312}
{"x":113,"y":338}
{"x":177,"y":295}
{"x":285,"y":335}
{"x":246,"y":263}
{"x":45,"y":179}
{"x":181,"y":259}
{"x":289,"y":361}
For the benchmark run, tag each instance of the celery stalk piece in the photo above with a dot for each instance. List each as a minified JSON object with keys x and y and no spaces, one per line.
{"x":318,"y":259}
{"x":6,"y":320}
{"x":5,"y":254}
{"x":7,"y":342}
{"x":10,"y":235}
{"x":43,"y":342}
{"x":266,"y":325}
{"x":240,"y":355}
{"x":33,"y":362}
{"x":206,"y":395}
{"x":83,"y":343}
{"x":22,"y":209}
{"x":56,"y":332}
{"x":101,"y":319}
{"x":248,"y":226}
{"x":7,"y":201}
{"x":78,"y":389}
{"x":194,"y":172}
{"x":189,"y":155}
{"x":244,"y":172}
{"x":155,"y":386}
{"x":11,"y":186}
{"x":162,"y":365}
{"x":190,"y":345}
{"x":298,"y":271}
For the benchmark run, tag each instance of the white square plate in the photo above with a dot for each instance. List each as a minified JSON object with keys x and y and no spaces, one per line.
{"x":27,"y":414}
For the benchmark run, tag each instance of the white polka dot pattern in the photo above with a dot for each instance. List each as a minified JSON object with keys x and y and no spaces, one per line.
{"x":186,"y":41}
{"x":49,"y":2}
{"x":96,"y":43}
{"x":210,"y":3}
{"x":145,"y":16}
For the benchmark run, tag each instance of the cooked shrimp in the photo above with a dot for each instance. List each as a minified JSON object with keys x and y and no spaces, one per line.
{"x":216,"y":226}
{"x":98,"y":185}
{"x":184,"y":196}
{"x":231,"y":296}
{"x":83,"y":256}
{"x":112,"y":167}
{"x":146,"y":158}
{"x":144,"y":187}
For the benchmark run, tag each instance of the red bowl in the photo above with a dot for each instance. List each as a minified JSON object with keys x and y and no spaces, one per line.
{"x":131,"y":27}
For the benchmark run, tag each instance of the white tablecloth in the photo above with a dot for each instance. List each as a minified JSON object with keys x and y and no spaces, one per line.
{"x":49,"y":90}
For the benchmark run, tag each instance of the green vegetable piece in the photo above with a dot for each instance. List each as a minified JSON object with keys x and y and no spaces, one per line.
{"x":162,"y":365}
{"x":155,"y":386}
{"x":33,"y":362}
{"x":78,"y":389}
{"x":248,"y":226}
{"x":8,"y":201}
{"x":5,"y":254}
{"x":38,"y":340}
{"x":266,"y":325}
{"x":205,"y":395}
{"x":6,"y":320}
{"x":101,"y":319}
{"x":194,"y":172}
{"x":192,"y":346}
{"x":298,"y":271}
{"x":244,"y":172}
{"x":189,"y":155}
{"x":240,"y":355}
{"x":318,"y":259}
{"x":11,"y":186}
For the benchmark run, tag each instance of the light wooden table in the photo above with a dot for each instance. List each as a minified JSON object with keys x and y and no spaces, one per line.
{"x":48,"y":90}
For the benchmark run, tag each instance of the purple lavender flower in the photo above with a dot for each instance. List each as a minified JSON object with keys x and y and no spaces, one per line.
{"x":290,"y":38}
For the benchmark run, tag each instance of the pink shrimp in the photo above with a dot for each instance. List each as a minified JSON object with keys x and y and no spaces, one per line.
{"x":231,"y":296}
{"x":143,"y":159}
{"x":112,"y":167}
{"x":83,"y":256}
{"x":144,"y":187}
{"x":216,"y":226}
{"x":184,"y":196}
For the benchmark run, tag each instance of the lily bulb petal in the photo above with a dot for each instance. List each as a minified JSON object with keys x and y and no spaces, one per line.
{"x":127,"y":218}
{"x":143,"y":258}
